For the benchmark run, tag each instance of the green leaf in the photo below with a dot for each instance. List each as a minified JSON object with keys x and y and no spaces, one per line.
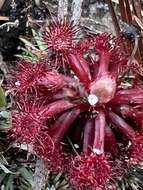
{"x":3,"y":102}
{"x":6,"y":170}
{"x":2,"y":176}
{"x":66,"y":187}
{"x":40,"y":42}
{"x":57,"y":178}
{"x":5,"y":114}
{"x":26,"y":42}
{"x":25,"y":185}
{"x":5,"y":120}
{"x":3,"y":160}
{"x":85,"y":55}
{"x":64,"y":183}
{"x":28,"y":58}
{"x":26,"y":174}
{"x":8,"y":182}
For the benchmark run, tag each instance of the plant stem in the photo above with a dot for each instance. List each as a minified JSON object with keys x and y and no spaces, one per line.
{"x":1,"y":3}
{"x":76,"y":11}
{"x":104,"y":64}
{"x":114,"y":17}
{"x":40,"y":175}
{"x":88,"y":136}
{"x":62,"y":9}
{"x":100,"y":123}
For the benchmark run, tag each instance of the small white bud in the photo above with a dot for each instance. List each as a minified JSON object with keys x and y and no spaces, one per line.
{"x":92,"y":99}
{"x":17,"y":83}
{"x":97,"y":151}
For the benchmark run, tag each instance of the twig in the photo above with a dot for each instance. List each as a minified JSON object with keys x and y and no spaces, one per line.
{"x":138,"y":21}
{"x":4,"y":18}
{"x":114,"y":17}
{"x":62,"y":9}
{"x":117,"y":2}
{"x":9,"y":25}
{"x":137,"y":8}
{"x":134,"y":51}
{"x":37,"y":2}
{"x":1,"y":3}
{"x":76,"y":11}
{"x":122,"y":10}
{"x":131,"y":59}
{"x":125,"y":11}
{"x":128,"y":11}
{"x":40,"y":175}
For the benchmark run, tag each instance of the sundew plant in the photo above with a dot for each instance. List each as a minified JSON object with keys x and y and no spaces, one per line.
{"x":76,"y":109}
